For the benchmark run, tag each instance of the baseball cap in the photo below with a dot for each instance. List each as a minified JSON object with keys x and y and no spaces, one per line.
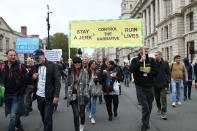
{"x":37,"y":53}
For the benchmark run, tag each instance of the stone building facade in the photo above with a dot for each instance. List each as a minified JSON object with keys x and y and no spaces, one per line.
{"x":8,"y":39}
{"x":170,"y":26}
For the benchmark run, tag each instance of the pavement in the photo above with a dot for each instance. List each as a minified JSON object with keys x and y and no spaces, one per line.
{"x":181,"y":118}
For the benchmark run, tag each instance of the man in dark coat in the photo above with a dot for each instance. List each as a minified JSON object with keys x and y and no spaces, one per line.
{"x":48,"y":85}
{"x":161,"y":83}
{"x":144,"y":70}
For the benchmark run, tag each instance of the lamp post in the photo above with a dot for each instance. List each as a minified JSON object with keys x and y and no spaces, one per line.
{"x":48,"y":27}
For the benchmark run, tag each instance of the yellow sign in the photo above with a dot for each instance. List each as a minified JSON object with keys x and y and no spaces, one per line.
{"x":106,"y":33}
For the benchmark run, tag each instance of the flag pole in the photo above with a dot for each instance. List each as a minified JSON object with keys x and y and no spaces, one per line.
{"x":69,"y":35}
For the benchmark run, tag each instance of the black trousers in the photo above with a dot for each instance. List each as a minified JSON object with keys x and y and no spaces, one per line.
{"x":46,"y":111}
{"x":146,"y":97}
{"x":78,"y":111}
{"x":109,"y":99}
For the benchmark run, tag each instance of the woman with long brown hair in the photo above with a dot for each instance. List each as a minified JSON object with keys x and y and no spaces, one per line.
{"x":78,"y":92}
{"x":95,"y":87}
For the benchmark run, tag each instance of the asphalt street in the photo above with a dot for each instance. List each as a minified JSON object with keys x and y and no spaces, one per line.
{"x":181,"y":118}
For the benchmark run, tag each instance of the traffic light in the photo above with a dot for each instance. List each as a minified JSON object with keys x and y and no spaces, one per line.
{"x":191,"y":50}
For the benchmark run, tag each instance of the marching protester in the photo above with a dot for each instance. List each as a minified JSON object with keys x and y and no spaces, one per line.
{"x":121,"y":74}
{"x":47,"y":86}
{"x":30,"y":87}
{"x":95,"y":87}
{"x":78,"y":95}
{"x":161,"y":83}
{"x":102,"y":66}
{"x":127,"y":74}
{"x":111,"y":91}
{"x":13,"y":75}
{"x":144,"y":70}
{"x":177,"y":70}
{"x":195,"y":74}
{"x":85,"y":66}
{"x":188,"y":84}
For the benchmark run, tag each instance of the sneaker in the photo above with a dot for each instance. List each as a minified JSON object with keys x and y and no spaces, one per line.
{"x":81,"y":127}
{"x":158,"y":112}
{"x":93,"y":121}
{"x":173,"y":104}
{"x":90,"y":116}
{"x":164,"y":116}
{"x":179,"y":103}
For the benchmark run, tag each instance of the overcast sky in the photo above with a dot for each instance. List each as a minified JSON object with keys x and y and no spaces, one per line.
{"x":33,"y":13}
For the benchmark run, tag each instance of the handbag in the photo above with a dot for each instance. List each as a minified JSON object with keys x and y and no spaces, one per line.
{"x":116,"y":86}
{"x":96,"y":90}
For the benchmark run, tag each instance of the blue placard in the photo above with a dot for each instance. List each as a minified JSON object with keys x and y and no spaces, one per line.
{"x":27,"y":45}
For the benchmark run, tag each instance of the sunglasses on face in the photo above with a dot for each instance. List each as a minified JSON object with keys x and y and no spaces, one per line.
{"x":77,"y":62}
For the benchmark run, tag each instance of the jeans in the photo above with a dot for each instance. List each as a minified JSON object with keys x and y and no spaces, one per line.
{"x":187,"y":86}
{"x":146,"y":97}
{"x":78,"y":111}
{"x":100,"y":98}
{"x":28,"y":98}
{"x":93,"y":106}
{"x":161,"y":100}
{"x":109,"y":99}
{"x":12,"y":103}
{"x":176,"y":85}
{"x":88,"y":105}
{"x":46,"y":111}
{"x":126,"y":80}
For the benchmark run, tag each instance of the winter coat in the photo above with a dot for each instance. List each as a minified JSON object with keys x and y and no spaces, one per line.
{"x":82,"y":89}
{"x":136,"y":68}
{"x":163,"y":76}
{"x":52,"y":83}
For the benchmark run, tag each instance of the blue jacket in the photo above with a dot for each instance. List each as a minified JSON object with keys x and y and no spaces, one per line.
{"x":189,"y":68}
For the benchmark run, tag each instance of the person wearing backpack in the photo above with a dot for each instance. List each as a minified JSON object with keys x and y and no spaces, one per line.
{"x":13,"y":76}
{"x":188,"y":84}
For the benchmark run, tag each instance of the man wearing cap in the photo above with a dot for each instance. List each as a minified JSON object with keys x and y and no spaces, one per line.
{"x":47,"y":85}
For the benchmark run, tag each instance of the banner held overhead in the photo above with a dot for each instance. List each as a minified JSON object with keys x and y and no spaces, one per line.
{"x":26,"y":45}
{"x":122,"y":33}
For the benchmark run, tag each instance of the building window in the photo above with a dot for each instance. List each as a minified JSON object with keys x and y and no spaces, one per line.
{"x":153,"y":42}
{"x":166,"y":32}
{"x":14,"y":45}
{"x":171,"y":54}
{"x":7,"y":44}
{"x":191,"y":21}
{"x":1,"y":44}
{"x":131,"y":6}
{"x":170,"y":30}
{"x":167,"y":54}
{"x":162,"y":34}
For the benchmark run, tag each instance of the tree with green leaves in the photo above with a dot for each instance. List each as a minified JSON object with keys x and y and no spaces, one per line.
{"x":60,"y":41}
